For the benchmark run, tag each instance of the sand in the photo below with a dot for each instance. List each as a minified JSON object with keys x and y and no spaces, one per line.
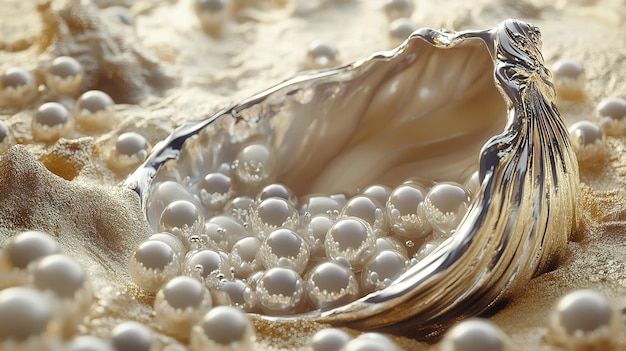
{"x":164,"y":71}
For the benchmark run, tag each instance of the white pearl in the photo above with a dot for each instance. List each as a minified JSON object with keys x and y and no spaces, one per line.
{"x":475,"y":335}
{"x":584,"y":320}
{"x":274,"y":213}
{"x":161,"y":195}
{"x":280,"y":291}
{"x":88,"y":343}
{"x":472,"y":184}
{"x":50,"y":122}
{"x":284,"y":248}
{"x":400,"y":29}
{"x":331,"y":284}
{"x":405,"y":211}
{"x":378,"y":192}
{"x":383,"y":269}
{"x":27,"y":247}
{"x":610,"y":113}
{"x":371,"y":342}
{"x":277,"y":190}
{"x":214,"y":190}
{"x":223,"y":328}
{"x":175,"y":243}
{"x":569,"y":79}
{"x":321,"y":204}
{"x":587,"y":141}
{"x":399,"y":9}
{"x":329,"y":339}
{"x":237,"y":293}
{"x":255,"y":165}
{"x":209,"y":265}
{"x":94,"y":111}
{"x":181,"y":218}
{"x":428,"y":247}
{"x":153,"y":264}
{"x":132,"y":336}
{"x":180,"y":304}
{"x":129,"y":151}
{"x":212,"y":14}
{"x":322,"y":54}
{"x":369,"y":210}
{"x":65,"y":75}
{"x":351,"y":239}
{"x":315,"y":235}
{"x":17,"y":86}
{"x":232,"y":230}
{"x":445,"y":205}
{"x":244,"y":257}
{"x":6,"y":137}
{"x":24,"y":313}
{"x":60,"y":274}
{"x":240,"y":208}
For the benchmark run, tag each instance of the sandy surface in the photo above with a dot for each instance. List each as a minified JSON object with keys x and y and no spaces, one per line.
{"x":164,"y":71}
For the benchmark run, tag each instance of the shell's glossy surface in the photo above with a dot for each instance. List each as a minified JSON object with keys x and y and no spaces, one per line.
{"x":439,"y":107}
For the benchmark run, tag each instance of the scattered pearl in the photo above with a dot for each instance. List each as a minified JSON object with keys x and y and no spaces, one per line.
{"x":611,"y":112}
{"x":24,"y":313}
{"x":274,"y":213}
{"x":322,"y":54}
{"x":50,"y":122}
{"x":65,"y":75}
{"x":6,"y":137}
{"x":587,"y":141}
{"x":215,"y":189}
{"x":475,"y":335}
{"x":584,"y":320}
{"x":399,"y":9}
{"x":284,"y":248}
{"x":569,"y":79}
{"x":153,"y":264}
{"x":280,"y":291}
{"x":223,"y":328}
{"x":132,"y":336}
{"x":400,"y":29}
{"x":405,"y":211}
{"x":180,"y":218}
{"x":17,"y":86}
{"x":331,"y":284}
{"x":237,"y":293}
{"x":255,"y":165}
{"x":383,"y":269}
{"x":180,"y":304}
{"x":351,"y":239}
{"x":212,"y":15}
{"x":369,"y":210}
{"x":88,"y":343}
{"x":94,"y":111}
{"x":329,"y":339}
{"x":278,"y":190}
{"x":244,"y":257}
{"x":27,"y":247}
{"x":371,"y":342}
{"x":129,"y":151}
{"x":445,"y":205}
{"x":315,"y":235}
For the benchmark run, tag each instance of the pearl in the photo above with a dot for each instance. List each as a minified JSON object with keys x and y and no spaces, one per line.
{"x":274,"y":213}
{"x":321,"y":54}
{"x":60,"y":274}
{"x":371,"y":342}
{"x":180,"y":304}
{"x":428,"y":247}
{"x":6,"y":137}
{"x":351,"y":239}
{"x":584,"y":320}
{"x":277,"y":190}
{"x":240,"y":208}
{"x":445,"y":205}
{"x":369,"y":210}
{"x":181,"y":218}
{"x":255,"y":165}
{"x":24,"y":313}
{"x":569,"y":79}
{"x":378,"y":192}
{"x":132,"y":336}
{"x":475,"y":335}
{"x":214,"y":190}
{"x":321,"y":204}
{"x":163,"y":194}
{"x":129,"y":151}
{"x":50,"y":122}
{"x":94,"y":111}
{"x":329,"y":339}
{"x":383,"y":269}
{"x":587,"y":141}
{"x":209,"y":265}
{"x":27,"y":247}
{"x":280,"y":291}
{"x":223,"y":228}
{"x":65,"y":75}
{"x":237,"y":293}
{"x":88,"y":343}
{"x":284,"y":248}
{"x":405,"y":211}
{"x":17,"y":86}
{"x":153,"y":264}
{"x":611,"y":112}
{"x":212,"y":14}
{"x":172,"y":241}
{"x":399,"y":9}
{"x":244,"y":257}
{"x":390,"y":243}
{"x":223,"y":328}
{"x":400,"y":29}
{"x":315,"y":235}
{"x":331,"y":284}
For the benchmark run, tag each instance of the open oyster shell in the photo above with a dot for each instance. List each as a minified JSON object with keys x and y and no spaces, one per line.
{"x":440,"y":106}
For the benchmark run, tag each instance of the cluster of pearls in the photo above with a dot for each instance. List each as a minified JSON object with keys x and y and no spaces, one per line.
{"x":255,"y":246}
